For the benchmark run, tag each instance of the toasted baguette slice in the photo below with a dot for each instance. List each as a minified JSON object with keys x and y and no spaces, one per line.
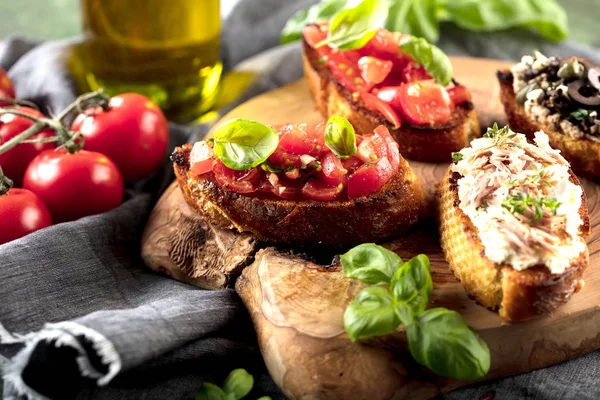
{"x":517,"y":295}
{"x":384,"y":215}
{"x":583,"y":154}
{"x":421,"y":143}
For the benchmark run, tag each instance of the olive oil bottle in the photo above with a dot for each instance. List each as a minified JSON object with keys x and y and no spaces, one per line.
{"x":167,"y":50}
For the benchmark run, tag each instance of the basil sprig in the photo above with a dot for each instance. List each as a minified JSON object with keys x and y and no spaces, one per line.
{"x":437,"y":338}
{"x":340,"y":137}
{"x":431,"y":57}
{"x":423,"y":17}
{"x":237,"y":385}
{"x":243,"y":144}
{"x":352,"y":28}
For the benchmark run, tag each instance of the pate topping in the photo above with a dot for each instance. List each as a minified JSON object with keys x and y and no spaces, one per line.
{"x":520,"y":198}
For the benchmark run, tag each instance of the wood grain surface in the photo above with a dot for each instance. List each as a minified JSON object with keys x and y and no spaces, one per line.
{"x":297,"y":306}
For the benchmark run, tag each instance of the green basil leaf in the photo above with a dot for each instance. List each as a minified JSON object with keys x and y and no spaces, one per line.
{"x":434,"y":60}
{"x":441,"y":340}
{"x":370,"y":263}
{"x":580,"y":114}
{"x":415,"y":17}
{"x":239,"y":383}
{"x":208,"y":391}
{"x":352,"y":28}
{"x":322,"y":11}
{"x":264,"y":398}
{"x":371,"y":313}
{"x":243,"y":144}
{"x":340,"y":137}
{"x":545,"y":16}
{"x":412,"y":287}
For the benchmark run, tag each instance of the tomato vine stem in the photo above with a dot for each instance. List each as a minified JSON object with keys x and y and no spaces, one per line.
{"x":5,"y":183}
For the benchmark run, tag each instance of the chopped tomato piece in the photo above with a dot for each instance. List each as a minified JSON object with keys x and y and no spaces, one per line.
{"x":425,"y":103}
{"x":285,"y":188}
{"x":373,"y":69}
{"x":313,"y":35}
{"x":392,"y":152}
{"x":394,"y":78}
{"x":346,"y":72}
{"x":384,"y":45}
{"x":415,"y":72}
{"x":391,"y":95}
{"x":285,"y":159}
{"x":366,"y":150}
{"x":376,"y":104}
{"x":459,"y":94}
{"x":351,"y":164}
{"x":236,"y":181}
{"x":317,"y":190}
{"x":299,"y":139}
{"x":332,"y":171}
{"x":202,"y":167}
{"x":293,"y":173}
{"x":369,"y":178}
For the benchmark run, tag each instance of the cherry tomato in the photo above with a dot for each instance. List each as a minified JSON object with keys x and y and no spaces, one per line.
{"x":317,"y":190}
{"x":133,"y":133}
{"x":392,"y":151}
{"x":284,"y":159}
{"x":332,"y":171}
{"x":347,"y":73}
{"x":236,"y":181}
{"x":374,"y":103}
{"x":351,"y":164}
{"x":299,"y":139}
{"x":369,"y":178}
{"x":415,"y":72}
{"x":374,"y":70}
{"x":21,"y":213}
{"x":425,"y":103}
{"x":15,"y":161}
{"x":7,"y":90}
{"x":74,"y":185}
{"x":314,"y":35}
{"x":459,"y":94}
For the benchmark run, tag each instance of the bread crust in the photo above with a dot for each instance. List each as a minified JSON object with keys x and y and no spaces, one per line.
{"x":583,"y":154}
{"x":421,"y":143}
{"x":517,"y":295}
{"x":386,"y":214}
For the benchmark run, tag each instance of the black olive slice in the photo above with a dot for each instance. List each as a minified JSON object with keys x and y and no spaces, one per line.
{"x":576,"y":96}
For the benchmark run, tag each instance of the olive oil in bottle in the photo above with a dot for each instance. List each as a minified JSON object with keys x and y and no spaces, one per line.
{"x":165,"y":50}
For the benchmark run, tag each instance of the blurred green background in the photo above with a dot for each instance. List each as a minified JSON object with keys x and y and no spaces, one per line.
{"x":56,"y":19}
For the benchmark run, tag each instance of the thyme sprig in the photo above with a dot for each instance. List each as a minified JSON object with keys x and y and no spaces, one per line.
{"x":523,"y":201}
{"x":502,"y":136}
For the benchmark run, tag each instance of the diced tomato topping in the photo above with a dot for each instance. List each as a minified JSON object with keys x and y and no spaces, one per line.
{"x":373,"y":69}
{"x":392,"y":152}
{"x":376,"y":104}
{"x":299,"y":139}
{"x":414,"y":72}
{"x":366,"y":150}
{"x":459,"y":94}
{"x":390,"y":95}
{"x":384,"y":45}
{"x":317,"y":190}
{"x":369,"y":178}
{"x":236,"y":181}
{"x":332,"y":170}
{"x":425,"y":103}
{"x":313,"y":35}
{"x":202,"y":167}
{"x":285,"y":188}
{"x":284,"y":159}
{"x":351,"y":164}
{"x":347,"y":73}
{"x":293,"y":173}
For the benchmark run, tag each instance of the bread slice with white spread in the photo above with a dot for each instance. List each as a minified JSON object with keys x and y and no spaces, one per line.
{"x":513,"y":223}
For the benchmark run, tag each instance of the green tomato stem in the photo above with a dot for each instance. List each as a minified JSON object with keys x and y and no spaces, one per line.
{"x":85,"y":101}
{"x":5,"y":183}
{"x":39,"y":125}
{"x":16,"y":102}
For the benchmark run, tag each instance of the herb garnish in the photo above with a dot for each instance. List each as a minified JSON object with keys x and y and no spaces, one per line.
{"x":457,"y":156}
{"x":437,"y":338}
{"x":502,"y":136}
{"x":431,"y":57}
{"x":237,"y":385}
{"x":520,"y":203}
{"x":580,"y":114}
{"x":340,"y":137}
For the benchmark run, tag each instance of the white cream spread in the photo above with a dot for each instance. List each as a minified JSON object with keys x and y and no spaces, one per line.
{"x":499,"y":168}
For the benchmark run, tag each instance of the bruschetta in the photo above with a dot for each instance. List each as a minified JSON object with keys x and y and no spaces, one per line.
{"x":380,"y":85}
{"x":304,"y":193}
{"x":561,"y":97}
{"x":513,"y":223}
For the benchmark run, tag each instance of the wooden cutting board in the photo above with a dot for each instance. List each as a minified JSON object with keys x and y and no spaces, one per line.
{"x":297,"y":307}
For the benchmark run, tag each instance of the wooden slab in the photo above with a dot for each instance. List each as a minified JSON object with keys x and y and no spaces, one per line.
{"x":297,"y":307}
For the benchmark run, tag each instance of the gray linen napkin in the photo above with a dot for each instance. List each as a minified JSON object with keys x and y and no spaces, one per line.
{"x":81,"y":317}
